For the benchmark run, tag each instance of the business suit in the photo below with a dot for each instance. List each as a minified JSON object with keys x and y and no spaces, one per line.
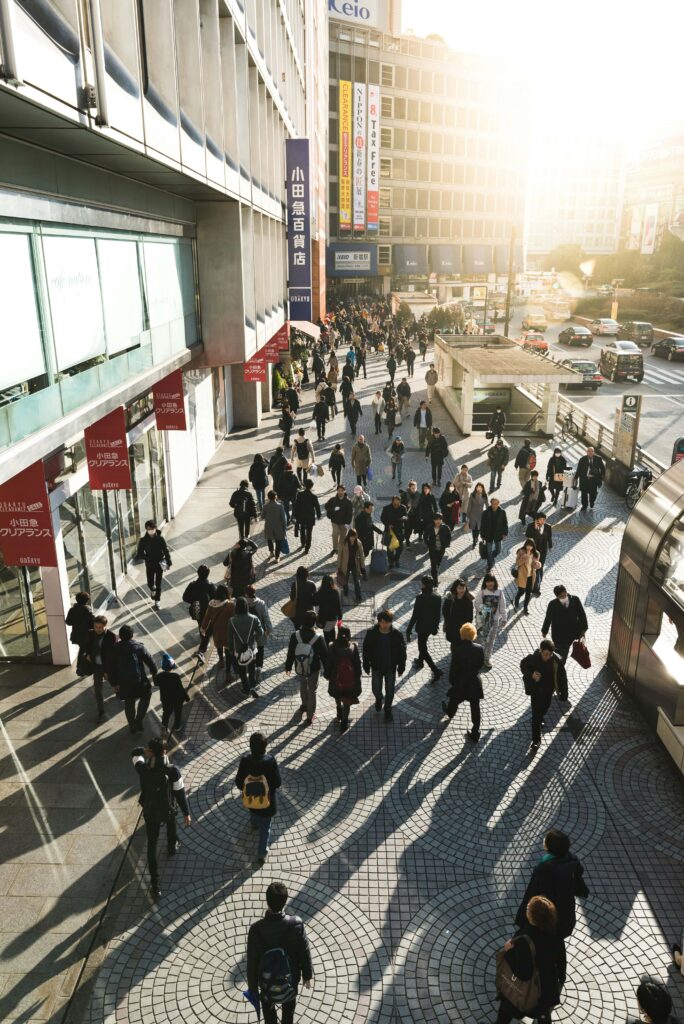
{"x":590,"y":473}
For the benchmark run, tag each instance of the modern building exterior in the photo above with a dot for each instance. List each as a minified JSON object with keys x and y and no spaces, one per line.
{"x":142,"y":231}
{"x":654,"y":195}
{"x":576,"y":193}
{"x":428,"y":187}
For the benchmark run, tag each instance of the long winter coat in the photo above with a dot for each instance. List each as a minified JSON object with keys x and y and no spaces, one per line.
{"x":464,"y":674}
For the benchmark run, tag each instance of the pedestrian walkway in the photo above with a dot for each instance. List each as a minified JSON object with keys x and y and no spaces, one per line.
{"x":405,"y":850}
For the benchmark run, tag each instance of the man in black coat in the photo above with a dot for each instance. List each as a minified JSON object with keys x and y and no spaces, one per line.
{"x":493,"y":529}
{"x":97,"y":652}
{"x":496,"y":424}
{"x":436,"y":450}
{"x":199,"y":593}
{"x":127,"y":675}
{"x":567,"y":619}
{"x":438,"y":538}
{"x":161,"y":789}
{"x":423,"y":422}
{"x":320,"y":415}
{"x":384,"y":656}
{"x":292,"y":399}
{"x":541,"y":533}
{"x":243,"y":505}
{"x":589,"y":475}
{"x":354,"y":411}
{"x":543,"y":672}
{"x":306,"y":511}
{"x":260,"y":800}
{"x":277,"y":931}
{"x":346,"y":388}
{"x":276,"y":466}
{"x":153,"y":549}
{"x":426,"y":615}
{"x":464,"y":679}
{"x":287,"y":488}
{"x":393,"y":517}
{"x":340,"y":512}
{"x":365,"y":527}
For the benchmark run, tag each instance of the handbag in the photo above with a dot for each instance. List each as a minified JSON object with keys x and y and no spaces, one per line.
{"x":285,"y":546}
{"x":394,"y":541}
{"x":523,"y":994}
{"x":482,"y":548}
{"x":289,"y":609}
{"x":580,"y":653}
{"x":489,"y":435}
{"x":369,"y":473}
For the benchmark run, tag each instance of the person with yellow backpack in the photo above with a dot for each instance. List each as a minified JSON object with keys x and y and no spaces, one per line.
{"x":258,"y":779}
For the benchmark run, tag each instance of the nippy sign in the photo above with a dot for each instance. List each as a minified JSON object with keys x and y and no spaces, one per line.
{"x":26,"y":536}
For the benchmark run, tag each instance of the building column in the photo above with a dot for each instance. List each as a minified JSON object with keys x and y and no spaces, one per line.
{"x":467,"y":396}
{"x":246,"y":399}
{"x":57,"y":600}
{"x":549,"y":409}
{"x":267,"y":389}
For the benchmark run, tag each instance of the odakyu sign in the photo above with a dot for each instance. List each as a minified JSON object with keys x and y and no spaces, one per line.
{"x":374,"y":13}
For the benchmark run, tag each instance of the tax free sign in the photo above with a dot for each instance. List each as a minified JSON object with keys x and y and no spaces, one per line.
{"x":374,"y":13}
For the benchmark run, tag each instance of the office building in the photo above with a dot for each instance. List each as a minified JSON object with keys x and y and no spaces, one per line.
{"x":654,"y":195}
{"x":428,"y":187}
{"x":142,"y":232}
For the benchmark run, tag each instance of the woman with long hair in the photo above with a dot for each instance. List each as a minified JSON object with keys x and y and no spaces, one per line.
{"x":329,"y":607}
{"x":351,"y":562}
{"x":526,"y":564}
{"x":344,"y":675}
{"x":490,"y":615}
{"x":458,"y":607}
{"x":477,"y":503}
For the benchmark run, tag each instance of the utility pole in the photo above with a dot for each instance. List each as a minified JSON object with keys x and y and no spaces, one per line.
{"x":510,"y":282}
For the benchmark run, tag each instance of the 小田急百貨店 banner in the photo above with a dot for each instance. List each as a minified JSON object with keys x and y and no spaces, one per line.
{"x":169,"y":402}
{"x":107,"y":453}
{"x":298,"y":229}
{"x":26,"y":534}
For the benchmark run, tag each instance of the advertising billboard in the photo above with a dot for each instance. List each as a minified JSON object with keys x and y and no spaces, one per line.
{"x":445,"y":259}
{"x":372,"y":13}
{"x":648,"y":236}
{"x":352,"y":260}
{"x":344,"y":170}
{"x":106,"y":449}
{"x":169,"y":403}
{"x":373,"y":152}
{"x":477,"y":259}
{"x":299,"y":289}
{"x":410,"y":260}
{"x":359,"y":159}
{"x":26,"y":535}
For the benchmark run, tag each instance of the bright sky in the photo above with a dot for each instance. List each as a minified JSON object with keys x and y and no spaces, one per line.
{"x":593,"y":64}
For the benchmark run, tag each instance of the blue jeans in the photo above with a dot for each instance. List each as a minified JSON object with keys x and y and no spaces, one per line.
{"x":260,"y":496}
{"x":389,"y":678}
{"x":493,"y":549}
{"x":495,"y":478}
{"x":261,"y":824}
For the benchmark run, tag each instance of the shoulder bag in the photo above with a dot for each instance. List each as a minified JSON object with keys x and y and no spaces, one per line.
{"x":289,"y":609}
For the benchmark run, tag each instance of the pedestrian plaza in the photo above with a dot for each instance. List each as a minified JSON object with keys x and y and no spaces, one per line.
{"x":405,"y":849}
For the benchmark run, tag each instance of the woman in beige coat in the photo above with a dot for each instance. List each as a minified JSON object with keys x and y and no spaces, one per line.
{"x":526,"y":564}
{"x":351,"y":562}
{"x":463,"y":482}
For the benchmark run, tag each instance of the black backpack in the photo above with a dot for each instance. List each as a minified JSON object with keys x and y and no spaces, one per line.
{"x":302,"y":450}
{"x":275,"y":976}
{"x":156,"y":798}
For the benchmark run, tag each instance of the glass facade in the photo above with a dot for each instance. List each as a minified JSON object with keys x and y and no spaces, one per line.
{"x":23,"y":622}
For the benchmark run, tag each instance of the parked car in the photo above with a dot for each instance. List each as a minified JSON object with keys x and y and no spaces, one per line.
{"x":638,"y":331}
{"x":669,"y":348}
{"x":590,"y":376}
{"x":576,"y":335}
{"x":535,"y":321}
{"x":620,"y":360}
{"x":605,"y":289}
{"x":533,"y":340}
{"x":604,"y":325}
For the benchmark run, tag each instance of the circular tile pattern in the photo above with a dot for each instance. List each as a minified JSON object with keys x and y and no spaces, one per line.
{"x":444,"y":965}
{"x":328,"y":795}
{"x":487,"y":808}
{"x":194,"y":963}
{"x":636,"y":766}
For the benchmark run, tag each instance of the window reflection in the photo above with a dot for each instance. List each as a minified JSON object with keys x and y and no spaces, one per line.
{"x":669,"y":566}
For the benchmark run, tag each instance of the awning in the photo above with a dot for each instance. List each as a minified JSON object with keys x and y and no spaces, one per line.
{"x":306,"y":327}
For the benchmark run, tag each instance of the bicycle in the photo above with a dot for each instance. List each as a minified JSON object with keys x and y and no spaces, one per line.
{"x":568,"y":429}
{"x":639,"y":480}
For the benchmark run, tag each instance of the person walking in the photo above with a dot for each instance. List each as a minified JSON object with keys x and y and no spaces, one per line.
{"x":286,"y":423}
{"x":198,"y":594}
{"x":425,"y":617}
{"x":410,"y":357}
{"x":526,"y":565}
{"x":391,"y":367}
{"x":258,"y":478}
{"x":307,"y":653}
{"x":336,"y":464}
{"x":450,"y":506}
{"x":497,"y":423}
{"x":393,"y":517}
{"x":240,"y":565}
{"x":458,"y":607}
{"x":494,"y":530}
{"x":361,"y":460}
{"x":361,"y":355}
{"x":97,"y":656}
{"x":532,"y":498}
{"x":543,"y":672}
{"x":302,"y":455}
{"x":275,"y":525}
{"x":329,"y":606}
{"x":276,"y":466}
{"x":497,"y":457}
{"x":396,"y":453}
{"x":541,"y":534}
{"x":303,"y":593}
{"x":365,"y":527}
{"x":329,"y":396}
{"x":422,"y":420}
{"x":214,"y":625}
{"x":477,"y":503}
{"x":392,"y":416}
{"x":258,"y":779}
{"x":404,"y":397}
{"x":431,"y":379}
{"x":490,"y":615}
{"x":154,"y":551}
{"x":80,"y":617}
{"x":436,"y":449}
{"x":426,"y":509}
{"x":340,"y":512}
{"x":350,"y":562}
{"x":244,"y":507}
{"x":555,"y":474}
{"x":463,"y":482}
{"x":567,"y":620}
{"x":525,"y":462}
{"x":438,"y":538}
{"x":589,"y":474}
{"x":172,"y":693}
{"x":378,"y":407}
{"x":536,"y":945}
{"x":306,"y":512}
{"x":358,"y":499}
{"x":465,"y":683}
{"x":258,"y":607}
{"x":161,"y":790}
{"x":287,"y":489}
{"x":384,"y":657}
{"x":354,"y":413}
{"x":346,"y":389}
{"x":320,"y":417}
{"x":277,"y":954}
{"x":128,"y":677}
{"x":410,"y":498}
{"x":292,"y":398}
{"x":245,"y":636}
{"x":654,"y":1001}
{"x":344,"y":675}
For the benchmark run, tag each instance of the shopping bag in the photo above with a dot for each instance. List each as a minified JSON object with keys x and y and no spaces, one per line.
{"x":369,"y":474}
{"x":320,"y":471}
{"x":289,"y":608}
{"x":285,"y":546}
{"x":489,"y":435}
{"x":580,"y":653}
{"x":394,"y":541}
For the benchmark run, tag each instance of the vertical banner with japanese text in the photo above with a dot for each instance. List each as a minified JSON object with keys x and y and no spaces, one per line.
{"x":107,"y":453}
{"x":283,"y":336}
{"x":254,"y":369}
{"x":169,"y":403}
{"x":344,"y":201}
{"x":373,"y":148}
{"x":26,"y":536}
{"x":359,"y":156}
{"x":298,"y":229}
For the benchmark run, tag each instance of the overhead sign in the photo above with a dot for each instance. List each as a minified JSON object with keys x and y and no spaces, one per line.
{"x":26,"y":536}
{"x":344,"y":170}
{"x":169,"y":402}
{"x":502,"y":396}
{"x":254,"y":369}
{"x":373,"y":13}
{"x":107,"y":453}
{"x":299,"y":290}
{"x":373,"y":147}
{"x":350,"y":259}
{"x":359,"y":158}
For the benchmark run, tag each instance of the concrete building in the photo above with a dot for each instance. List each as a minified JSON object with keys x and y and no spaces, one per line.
{"x":450,"y":142}
{"x":142,"y":231}
{"x":576,"y":192}
{"x":654,"y":195}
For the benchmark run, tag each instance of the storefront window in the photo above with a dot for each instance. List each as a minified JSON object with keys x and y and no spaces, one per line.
{"x":74,"y":549}
{"x":141,"y":472}
{"x":23,"y":622}
{"x":161,"y":511}
{"x":669,"y":566}
{"x":94,"y":529}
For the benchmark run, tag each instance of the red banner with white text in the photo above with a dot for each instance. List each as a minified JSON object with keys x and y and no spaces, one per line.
{"x":107,"y":453}
{"x":26,"y":536}
{"x":254,"y":369}
{"x":169,"y":403}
